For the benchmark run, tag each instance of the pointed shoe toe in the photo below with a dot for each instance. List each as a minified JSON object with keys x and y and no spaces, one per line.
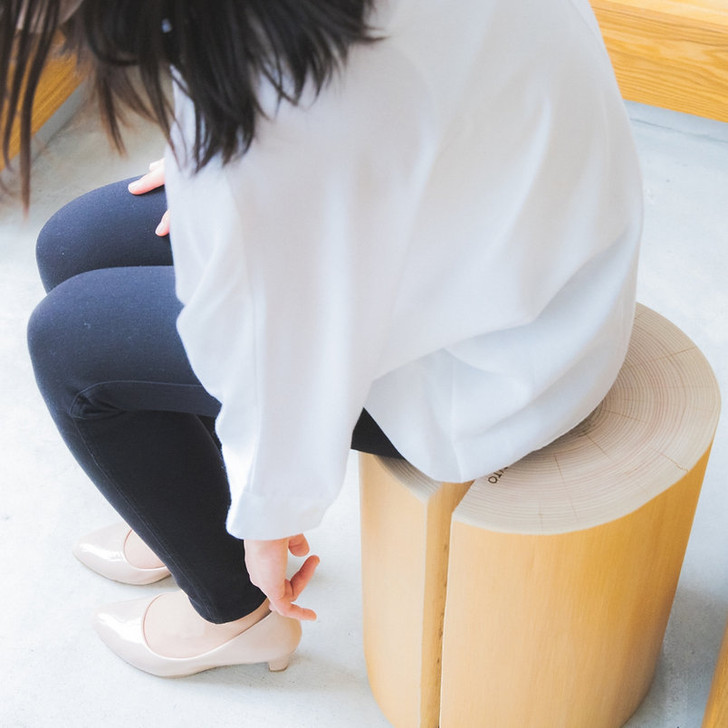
{"x":121,"y":627}
{"x":103,"y":552}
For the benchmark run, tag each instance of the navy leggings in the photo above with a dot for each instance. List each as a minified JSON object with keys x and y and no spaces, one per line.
{"x":115,"y":377}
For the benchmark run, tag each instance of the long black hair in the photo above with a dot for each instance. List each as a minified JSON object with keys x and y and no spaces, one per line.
{"x":221,"y":50}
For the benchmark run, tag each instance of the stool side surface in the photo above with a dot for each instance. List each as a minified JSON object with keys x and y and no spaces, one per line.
{"x":568,"y":627}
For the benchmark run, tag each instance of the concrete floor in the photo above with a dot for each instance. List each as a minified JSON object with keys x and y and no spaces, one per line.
{"x":54,"y":671}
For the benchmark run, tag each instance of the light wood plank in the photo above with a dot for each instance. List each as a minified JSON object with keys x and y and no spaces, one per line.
{"x":669,"y":53}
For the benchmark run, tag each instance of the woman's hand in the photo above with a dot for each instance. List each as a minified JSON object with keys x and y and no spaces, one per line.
{"x":266,"y":562}
{"x":153,"y":179}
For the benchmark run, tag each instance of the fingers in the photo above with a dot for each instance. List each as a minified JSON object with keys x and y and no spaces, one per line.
{"x":153,"y":179}
{"x":266,"y":563}
{"x":300,"y":580}
{"x":163,"y":227}
{"x":285,"y":606}
{"x":288,"y":609}
{"x":298,"y":545}
{"x":150,"y":181}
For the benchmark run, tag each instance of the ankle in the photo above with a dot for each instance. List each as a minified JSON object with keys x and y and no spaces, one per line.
{"x":138,"y":554}
{"x":253,"y":617}
{"x":173,"y":628}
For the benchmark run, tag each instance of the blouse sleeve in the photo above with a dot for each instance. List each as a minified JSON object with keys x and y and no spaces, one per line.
{"x":287,"y":263}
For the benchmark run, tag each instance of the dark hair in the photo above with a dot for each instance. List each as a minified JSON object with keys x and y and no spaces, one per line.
{"x":221,"y":50}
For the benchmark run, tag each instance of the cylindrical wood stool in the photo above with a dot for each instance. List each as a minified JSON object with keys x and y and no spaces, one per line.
{"x":716,"y":712}
{"x":561,"y":569}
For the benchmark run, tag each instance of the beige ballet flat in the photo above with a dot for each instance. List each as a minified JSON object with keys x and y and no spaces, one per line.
{"x":121,"y":627}
{"x":103,"y":552}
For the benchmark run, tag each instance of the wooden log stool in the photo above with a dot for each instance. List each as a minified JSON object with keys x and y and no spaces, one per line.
{"x":538,"y":596}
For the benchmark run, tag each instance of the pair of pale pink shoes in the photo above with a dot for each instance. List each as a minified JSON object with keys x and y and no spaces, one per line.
{"x":272,"y":639}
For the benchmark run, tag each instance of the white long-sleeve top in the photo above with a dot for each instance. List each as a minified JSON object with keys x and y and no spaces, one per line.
{"x":446,"y":236}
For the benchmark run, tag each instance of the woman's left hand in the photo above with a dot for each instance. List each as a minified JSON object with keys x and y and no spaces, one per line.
{"x":267,"y":561}
{"x":153,"y":179}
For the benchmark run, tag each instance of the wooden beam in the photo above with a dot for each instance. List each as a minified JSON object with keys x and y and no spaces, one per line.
{"x":669,"y":53}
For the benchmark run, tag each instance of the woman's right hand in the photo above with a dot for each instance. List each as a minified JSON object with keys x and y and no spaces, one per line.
{"x":153,"y":179}
{"x":266,"y":563}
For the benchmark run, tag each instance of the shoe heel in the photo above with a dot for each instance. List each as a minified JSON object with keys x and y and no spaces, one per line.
{"x":280,"y":664}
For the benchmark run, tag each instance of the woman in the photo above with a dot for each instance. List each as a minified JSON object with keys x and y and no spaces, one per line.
{"x":409,"y":220}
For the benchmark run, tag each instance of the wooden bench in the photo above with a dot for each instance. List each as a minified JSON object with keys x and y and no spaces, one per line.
{"x":669,"y":53}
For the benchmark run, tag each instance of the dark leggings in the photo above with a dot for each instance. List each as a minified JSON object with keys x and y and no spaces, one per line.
{"x":116,"y":379}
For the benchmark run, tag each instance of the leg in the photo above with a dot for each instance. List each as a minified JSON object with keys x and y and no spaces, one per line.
{"x":369,"y":437}
{"x":106,"y":228}
{"x":110,"y":228}
{"x":113,"y":372}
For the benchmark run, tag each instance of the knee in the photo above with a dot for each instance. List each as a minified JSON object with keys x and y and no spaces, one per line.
{"x":45,"y":331}
{"x":52,"y":250}
{"x":69,"y":243}
{"x":52,"y":345}
{"x":73,"y":337}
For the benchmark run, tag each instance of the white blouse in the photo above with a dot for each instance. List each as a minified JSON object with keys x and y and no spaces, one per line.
{"x":446,"y":236}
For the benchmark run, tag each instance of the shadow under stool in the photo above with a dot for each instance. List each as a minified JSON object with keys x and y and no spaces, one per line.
{"x":538,"y":596}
